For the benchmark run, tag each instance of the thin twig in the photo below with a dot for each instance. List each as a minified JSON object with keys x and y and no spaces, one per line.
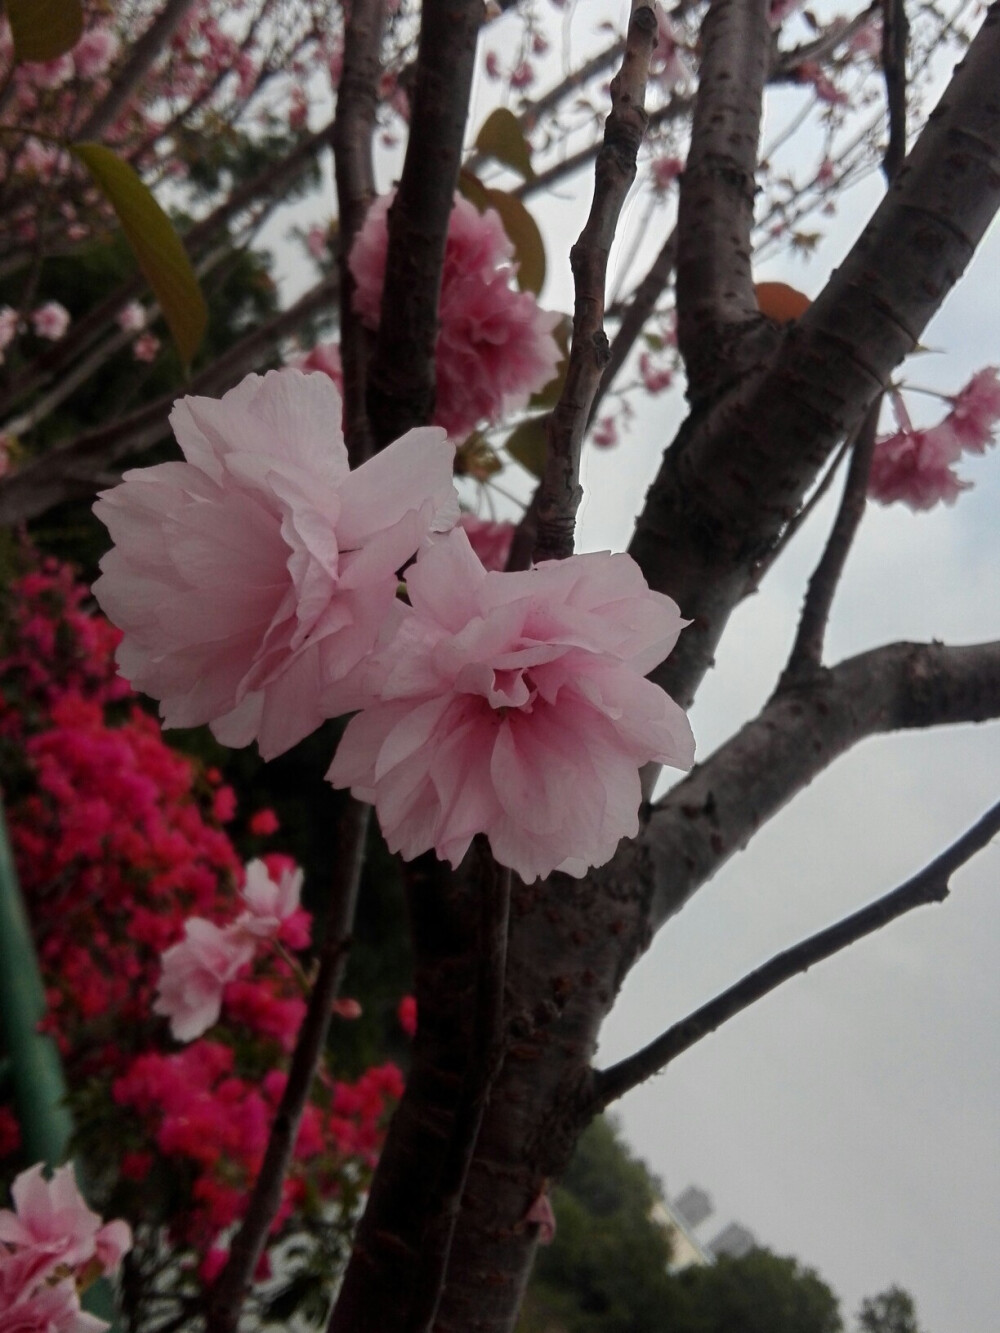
{"x":354,"y":126}
{"x":807,"y":651}
{"x":559,"y":492}
{"x":930,"y":885}
{"x":486,"y":1054}
{"x":228,"y":1292}
{"x":895,"y":34}
{"x":142,"y":55}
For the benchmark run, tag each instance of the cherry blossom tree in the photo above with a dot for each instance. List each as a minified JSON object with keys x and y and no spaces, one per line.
{"x":489,"y":702}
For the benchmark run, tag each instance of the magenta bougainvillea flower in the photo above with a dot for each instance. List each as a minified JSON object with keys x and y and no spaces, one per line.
{"x":495,"y":346}
{"x":253,"y":577}
{"x":516,"y":705}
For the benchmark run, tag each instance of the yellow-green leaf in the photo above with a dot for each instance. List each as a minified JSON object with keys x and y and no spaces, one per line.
{"x":155,"y":243}
{"x":528,"y":444}
{"x":550,"y":393}
{"x":520,"y":226}
{"x":44,"y":29}
{"x":476,"y":458}
{"x":472,"y":188}
{"x":502,"y":137}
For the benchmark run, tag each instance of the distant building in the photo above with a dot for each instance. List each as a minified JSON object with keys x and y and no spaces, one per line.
{"x":734,"y":1241}
{"x":694,"y":1205}
{"x":686,"y":1249}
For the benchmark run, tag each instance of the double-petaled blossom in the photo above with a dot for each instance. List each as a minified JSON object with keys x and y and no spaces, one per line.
{"x":196,"y":972}
{"x":917,"y":466}
{"x":48,"y":1239}
{"x":495,"y":345}
{"x":270,"y":901}
{"x":516,"y":705}
{"x":252,"y":578}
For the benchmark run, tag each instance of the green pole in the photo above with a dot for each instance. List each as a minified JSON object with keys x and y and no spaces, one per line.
{"x":33,"y":1066}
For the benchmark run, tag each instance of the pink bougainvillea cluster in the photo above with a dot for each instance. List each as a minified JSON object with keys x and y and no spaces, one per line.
{"x":118,"y":841}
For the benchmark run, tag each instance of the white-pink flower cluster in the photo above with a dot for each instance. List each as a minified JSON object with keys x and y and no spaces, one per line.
{"x":197,"y":970}
{"x":252,"y":578}
{"x":51,"y":1243}
{"x":917,"y":466}
{"x":516,"y":705}
{"x":495,"y":345}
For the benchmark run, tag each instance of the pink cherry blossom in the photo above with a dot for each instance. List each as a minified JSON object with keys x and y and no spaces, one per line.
{"x":269,"y":901}
{"x":915,"y":466}
{"x":50,"y":1309}
{"x":976,"y":411}
{"x":111,"y":1244}
{"x":50,"y":1217}
{"x":132,"y":317}
{"x":251,"y":579}
{"x":495,"y":345}
{"x":516,"y":705}
{"x":94,"y":52}
{"x":50,"y":320}
{"x":195,"y":974}
{"x":490,"y":541}
{"x":8,"y":327}
{"x":146,"y":347}
{"x":325,"y":357}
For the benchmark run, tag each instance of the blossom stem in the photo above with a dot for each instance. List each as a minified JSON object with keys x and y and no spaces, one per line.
{"x":228,"y":1293}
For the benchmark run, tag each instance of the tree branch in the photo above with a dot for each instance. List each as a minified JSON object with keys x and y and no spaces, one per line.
{"x":930,"y":885}
{"x":715,"y":811}
{"x":559,"y":493}
{"x":73,"y":470}
{"x":135,"y":69}
{"x":401,"y":379}
{"x":485,"y":1058}
{"x":228,"y":1292}
{"x":740,"y":467}
{"x":714,"y":283}
{"x":354,"y":126}
{"x":895,"y":33}
{"x":807,"y":650}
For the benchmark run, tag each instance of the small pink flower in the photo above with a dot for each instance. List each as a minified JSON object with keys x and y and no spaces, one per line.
{"x":605,"y":434}
{"x":495,"y":346}
{"x":263,"y":823}
{"x":347,"y":1008}
{"x":50,"y":320}
{"x":490,"y":541}
{"x":50,"y":1217}
{"x":51,"y":1309}
{"x":253,"y":578}
{"x":976,"y":411}
{"x":915,"y":466}
{"x":50,"y":73}
{"x":132,"y":317}
{"x":94,"y":52}
{"x":325,"y":357}
{"x":665,"y":172}
{"x":111,"y":1244}
{"x":146,"y":347}
{"x":195,"y":974}
{"x":516,"y":705}
{"x":269,"y":902}
{"x":8,"y":326}
{"x":540,"y":1214}
{"x":318,"y":242}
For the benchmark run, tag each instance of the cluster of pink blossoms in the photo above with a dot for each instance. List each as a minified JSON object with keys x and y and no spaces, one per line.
{"x":197,"y":970}
{"x":917,"y":466}
{"x":495,"y":345}
{"x":52,"y":1246}
{"x":256,"y":587}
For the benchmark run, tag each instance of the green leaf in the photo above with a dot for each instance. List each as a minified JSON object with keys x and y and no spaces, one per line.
{"x":520,"y":226}
{"x":44,"y":29}
{"x":155,"y":243}
{"x":502,"y":137}
{"x":528,"y":444}
{"x":472,"y":188}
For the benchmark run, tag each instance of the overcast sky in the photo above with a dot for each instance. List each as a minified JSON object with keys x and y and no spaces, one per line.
{"x":851,"y":1118}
